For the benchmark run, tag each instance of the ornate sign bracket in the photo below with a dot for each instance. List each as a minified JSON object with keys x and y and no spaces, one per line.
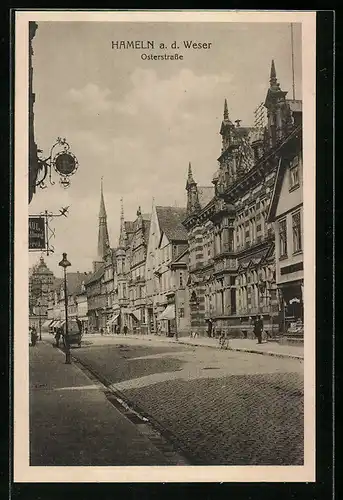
{"x":48,"y":233}
{"x":63,"y":161}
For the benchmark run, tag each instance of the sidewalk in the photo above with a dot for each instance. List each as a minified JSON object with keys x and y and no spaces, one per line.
{"x":243,"y":345}
{"x":72,"y":423}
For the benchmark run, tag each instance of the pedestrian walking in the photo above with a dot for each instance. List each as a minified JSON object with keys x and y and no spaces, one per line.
{"x":258,"y":329}
{"x":125,"y":329}
{"x":34,"y":336}
{"x":209,"y":328}
{"x":58,"y":337}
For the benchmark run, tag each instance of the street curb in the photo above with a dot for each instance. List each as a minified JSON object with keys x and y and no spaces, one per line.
{"x":237,"y":349}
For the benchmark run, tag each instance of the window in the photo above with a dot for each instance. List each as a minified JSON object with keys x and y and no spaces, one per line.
{"x":296,"y":228}
{"x":294,"y":173}
{"x":181,"y":312}
{"x":181,"y":278}
{"x":283,"y":238}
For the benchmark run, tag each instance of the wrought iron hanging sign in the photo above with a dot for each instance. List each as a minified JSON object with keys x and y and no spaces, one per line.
{"x":37,"y":234}
{"x":41,"y":232}
{"x":64,"y":162}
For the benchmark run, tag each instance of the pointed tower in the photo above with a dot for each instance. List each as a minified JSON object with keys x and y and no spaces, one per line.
{"x":192,"y":192}
{"x":226,"y":128}
{"x":278,"y":111}
{"x":122,"y":235}
{"x":121,"y":250}
{"x":103,"y":239}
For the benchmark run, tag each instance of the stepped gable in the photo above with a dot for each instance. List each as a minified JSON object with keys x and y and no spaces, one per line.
{"x":170,"y":222}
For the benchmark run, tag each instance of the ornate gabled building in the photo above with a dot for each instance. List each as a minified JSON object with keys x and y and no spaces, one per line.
{"x":137,"y":253}
{"x":121,"y":310}
{"x":167,"y":240}
{"x":286,"y":213}
{"x":41,"y":281}
{"x":96,"y":300}
{"x":108,"y":282}
{"x":231,"y":242}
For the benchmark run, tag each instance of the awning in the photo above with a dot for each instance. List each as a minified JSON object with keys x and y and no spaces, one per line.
{"x":168,"y":313}
{"x":135,"y":314}
{"x":57,"y":324}
{"x":113,"y":320}
{"x":46,"y":323}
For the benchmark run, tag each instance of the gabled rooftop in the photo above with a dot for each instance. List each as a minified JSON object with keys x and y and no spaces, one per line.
{"x":170,"y":222}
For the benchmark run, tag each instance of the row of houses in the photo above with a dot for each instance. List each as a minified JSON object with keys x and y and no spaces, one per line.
{"x":235,"y":251}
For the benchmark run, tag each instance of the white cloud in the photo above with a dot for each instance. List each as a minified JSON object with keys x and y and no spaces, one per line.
{"x":91,"y":99}
{"x":169,"y":98}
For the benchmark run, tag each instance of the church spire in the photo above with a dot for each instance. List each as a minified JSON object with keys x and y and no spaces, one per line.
{"x":192,"y":192}
{"x":103,"y":239}
{"x":190,"y":179}
{"x":122,"y":235}
{"x":102,"y":211}
{"x":226,"y":110}
{"x":273,"y":80}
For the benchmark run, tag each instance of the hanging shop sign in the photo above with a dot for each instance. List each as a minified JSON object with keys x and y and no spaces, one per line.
{"x":37,"y":236}
{"x":65,"y":163}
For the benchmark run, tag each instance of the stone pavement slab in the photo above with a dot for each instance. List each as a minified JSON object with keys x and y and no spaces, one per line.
{"x":73,"y":424}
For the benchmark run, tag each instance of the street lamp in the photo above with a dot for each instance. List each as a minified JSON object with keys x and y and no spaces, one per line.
{"x":65,"y":263}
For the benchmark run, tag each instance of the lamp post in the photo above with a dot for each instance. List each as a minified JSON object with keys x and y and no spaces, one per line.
{"x":65,"y":263}
{"x":40,"y":309}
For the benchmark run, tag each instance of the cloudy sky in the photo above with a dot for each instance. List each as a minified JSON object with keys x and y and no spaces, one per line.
{"x":138,"y":123}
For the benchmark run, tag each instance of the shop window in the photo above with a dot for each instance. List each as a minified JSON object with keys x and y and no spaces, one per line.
{"x":283,"y":238}
{"x":296,"y":228}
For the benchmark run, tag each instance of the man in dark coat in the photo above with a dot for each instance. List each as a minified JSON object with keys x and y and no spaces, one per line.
{"x":209,"y":328}
{"x":34,"y":336}
{"x":58,"y":336}
{"x":258,"y":329}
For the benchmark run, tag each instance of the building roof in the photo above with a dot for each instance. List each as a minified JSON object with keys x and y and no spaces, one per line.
{"x":170,"y":222}
{"x":95,"y":276}
{"x":57,"y":284}
{"x":147,"y":223}
{"x":205,"y":194}
{"x":74,"y":281}
{"x":182,"y":258}
{"x":129,"y":226}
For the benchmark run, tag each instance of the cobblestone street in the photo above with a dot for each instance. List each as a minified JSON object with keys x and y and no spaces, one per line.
{"x":220,"y":407}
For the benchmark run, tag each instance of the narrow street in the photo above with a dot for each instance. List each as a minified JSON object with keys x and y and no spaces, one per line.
{"x":218,"y":407}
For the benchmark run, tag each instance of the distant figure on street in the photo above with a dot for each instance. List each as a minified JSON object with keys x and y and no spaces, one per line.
{"x":258,"y":329}
{"x":79,"y":324}
{"x":58,"y":337}
{"x":34,"y":336}
{"x":209,"y":328}
{"x":101,"y":331}
{"x":125,"y":329}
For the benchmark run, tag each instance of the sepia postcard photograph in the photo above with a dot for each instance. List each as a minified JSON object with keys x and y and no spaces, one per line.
{"x":164,"y":306}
